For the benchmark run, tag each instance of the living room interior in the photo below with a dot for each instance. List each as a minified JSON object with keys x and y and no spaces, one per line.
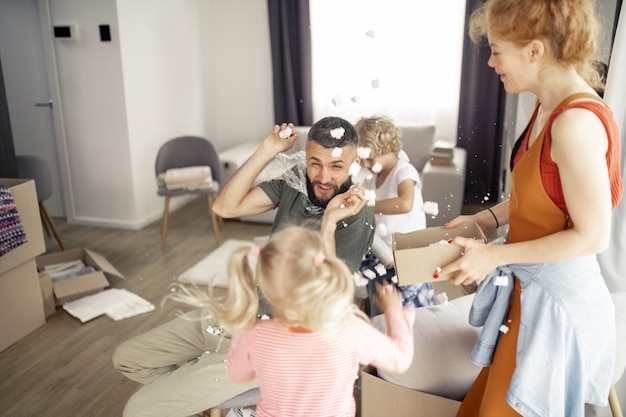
{"x":114,"y":104}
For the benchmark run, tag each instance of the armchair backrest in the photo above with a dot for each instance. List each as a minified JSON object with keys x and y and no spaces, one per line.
{"x":188,"y":151}
{"x":417,"y":141}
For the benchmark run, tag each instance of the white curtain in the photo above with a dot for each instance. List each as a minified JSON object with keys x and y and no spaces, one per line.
{"x":400,"y":58}
{"x":613,"y":261}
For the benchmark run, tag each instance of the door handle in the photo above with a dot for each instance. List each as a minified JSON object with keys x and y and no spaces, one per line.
{"x":48,"y":104}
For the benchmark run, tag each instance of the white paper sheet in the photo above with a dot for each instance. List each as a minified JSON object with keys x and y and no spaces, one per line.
{"x":116,"y":303}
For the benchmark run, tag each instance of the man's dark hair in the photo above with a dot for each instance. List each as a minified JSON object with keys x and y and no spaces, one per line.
{"x":322,"y":133}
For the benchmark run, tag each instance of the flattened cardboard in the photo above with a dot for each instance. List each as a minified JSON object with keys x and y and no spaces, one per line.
{"x":25,"y":196}
{"x":21,"y":306}
{"x":381,"y":398}
{"x":82,"y":285}
{"x":417,"y":254}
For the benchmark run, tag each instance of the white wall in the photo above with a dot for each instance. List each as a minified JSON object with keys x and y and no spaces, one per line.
{"x":237,"y":69}
{"x":162,"y":79}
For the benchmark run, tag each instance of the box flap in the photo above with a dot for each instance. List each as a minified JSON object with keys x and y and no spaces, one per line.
{"x":418,"y":254}
{"x":59,"y":257}
{"x":382,"y":398}
{"x":103,"y":264}
{"x":425,"y":237}
{"x":45,"y":283}
{"x":79,"y":285}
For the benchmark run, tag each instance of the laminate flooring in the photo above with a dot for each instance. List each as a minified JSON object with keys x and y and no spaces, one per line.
{"x":64,"y":368}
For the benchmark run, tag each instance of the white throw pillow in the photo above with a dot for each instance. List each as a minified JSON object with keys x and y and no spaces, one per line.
{"x":444,"y":340}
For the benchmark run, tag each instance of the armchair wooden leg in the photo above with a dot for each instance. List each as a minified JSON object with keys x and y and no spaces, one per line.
{"x":47,"y":221}
{"x":44,"y":219}
{"x":166,"y":210}
{"x":616,"y":410}
{"x":216,"y":231}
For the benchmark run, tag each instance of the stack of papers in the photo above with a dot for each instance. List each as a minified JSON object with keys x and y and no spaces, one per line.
{"x":65,"y":270}
{"x":116,"y":303}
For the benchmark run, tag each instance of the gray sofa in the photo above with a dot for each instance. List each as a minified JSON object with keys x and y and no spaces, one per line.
{"x":441,"y":184}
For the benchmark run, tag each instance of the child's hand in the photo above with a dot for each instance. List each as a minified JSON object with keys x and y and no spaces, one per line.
{"x":345,"y":205}
{"x":388,"y":297}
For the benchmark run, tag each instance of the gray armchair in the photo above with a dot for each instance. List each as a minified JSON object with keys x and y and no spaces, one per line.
{"x":182,"y":152}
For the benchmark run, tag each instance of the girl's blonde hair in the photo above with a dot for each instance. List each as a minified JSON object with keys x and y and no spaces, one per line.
{"x":569,"y":27}
{"x":380,"y":134}
{"x":295,"y":273}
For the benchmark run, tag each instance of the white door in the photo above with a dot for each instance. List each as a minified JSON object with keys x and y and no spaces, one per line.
{"x":28,"y":96}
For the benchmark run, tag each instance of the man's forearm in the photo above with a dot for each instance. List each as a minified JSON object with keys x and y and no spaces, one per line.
{"x":235,"y":190}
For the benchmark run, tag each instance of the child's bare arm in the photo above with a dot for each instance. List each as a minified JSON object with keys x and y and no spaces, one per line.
{"x":398,"y":205}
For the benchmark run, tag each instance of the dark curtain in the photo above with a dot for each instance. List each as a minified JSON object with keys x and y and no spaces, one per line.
{"x":481,"y":115}
{"x":290,"y":39}
{"x":8,"y":164}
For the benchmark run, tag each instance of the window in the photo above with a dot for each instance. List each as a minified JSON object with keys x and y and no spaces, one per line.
{"x":400,"y":58}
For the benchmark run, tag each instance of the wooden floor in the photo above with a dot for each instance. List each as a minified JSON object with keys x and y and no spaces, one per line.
{"x":64,"y":368}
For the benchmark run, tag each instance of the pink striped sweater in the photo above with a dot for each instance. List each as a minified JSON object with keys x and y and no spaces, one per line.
{"x":305,"y":374}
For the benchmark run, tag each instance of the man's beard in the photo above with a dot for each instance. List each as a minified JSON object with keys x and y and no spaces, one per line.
{"x":319,"y":201}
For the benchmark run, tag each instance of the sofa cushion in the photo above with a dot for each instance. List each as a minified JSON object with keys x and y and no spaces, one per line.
{"x":417,"y":141}
{"x":444,"y":340}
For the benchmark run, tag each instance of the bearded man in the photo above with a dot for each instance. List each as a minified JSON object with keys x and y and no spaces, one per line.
{"x":317,"y":192}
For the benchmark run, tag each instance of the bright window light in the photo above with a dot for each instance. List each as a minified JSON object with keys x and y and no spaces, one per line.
{"x":400,"y":58}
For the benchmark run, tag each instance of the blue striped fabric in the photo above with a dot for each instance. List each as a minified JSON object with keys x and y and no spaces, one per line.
{"x":12,"y":232}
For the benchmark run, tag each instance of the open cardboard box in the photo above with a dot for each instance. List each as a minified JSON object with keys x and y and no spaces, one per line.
{"x":82,"y":285}
{"x":45,"y":283}
{"x":382,"y":398}
{"x":418,"y":254}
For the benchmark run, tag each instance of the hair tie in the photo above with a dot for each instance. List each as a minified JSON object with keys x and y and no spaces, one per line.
{"x":318,"y":259}
{"x":255,"y":250}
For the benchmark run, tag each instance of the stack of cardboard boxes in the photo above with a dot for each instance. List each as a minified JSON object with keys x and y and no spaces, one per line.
{"x":21,"y":305}
{"x":28,"y":296}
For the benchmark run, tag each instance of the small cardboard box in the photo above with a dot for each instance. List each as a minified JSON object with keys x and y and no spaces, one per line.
{"x":21,"y":308}
{"x":45,"y":283}
{"x":25,"y":197}
{"x":79,"y":286}
{"x":418,"y":254}
{"x":381,"y":398}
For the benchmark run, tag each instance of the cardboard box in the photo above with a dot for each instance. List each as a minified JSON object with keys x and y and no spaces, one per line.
{"x":45,"y":283}
{"x":25,"y":196}
{"x":82,"y":285}
{"x":21,"y":308}
{"x":381,"y":398}
{"x":418,"y":254}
